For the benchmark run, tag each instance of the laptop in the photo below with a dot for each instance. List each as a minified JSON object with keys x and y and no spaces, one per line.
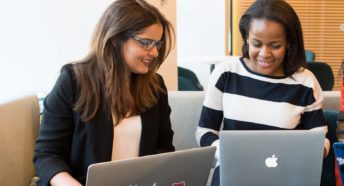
{"x":271,"y":157}
{"x":180,"y":168}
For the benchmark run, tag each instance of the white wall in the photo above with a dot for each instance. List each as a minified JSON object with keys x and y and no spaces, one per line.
{"x":38,"y":36}
{"x":200,"y":35}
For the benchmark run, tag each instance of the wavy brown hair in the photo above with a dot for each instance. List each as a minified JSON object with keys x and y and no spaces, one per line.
{"x":281,"y":12}
{"x":102,"y":76}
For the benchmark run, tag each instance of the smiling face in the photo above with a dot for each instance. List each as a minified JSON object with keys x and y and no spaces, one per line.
{"x":136,"y":58}
{"x":267,"y":46}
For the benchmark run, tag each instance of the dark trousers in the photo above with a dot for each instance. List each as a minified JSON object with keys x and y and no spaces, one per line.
{"x":216,"y":177}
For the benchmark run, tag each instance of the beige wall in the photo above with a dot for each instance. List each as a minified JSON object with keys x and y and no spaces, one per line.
{"x":169,"y":68}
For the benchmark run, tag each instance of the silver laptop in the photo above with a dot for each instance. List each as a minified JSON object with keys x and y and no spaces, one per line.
{"x":181,"y":168}
{"x":266,"y":157}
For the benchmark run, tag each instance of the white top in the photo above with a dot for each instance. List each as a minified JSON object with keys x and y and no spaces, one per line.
{"x":126,"y":138}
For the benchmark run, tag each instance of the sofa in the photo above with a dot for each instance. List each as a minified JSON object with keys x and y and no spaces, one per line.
{"x":20,"y":124}
{"x":19,"y":121}
{"x":186,"y":108}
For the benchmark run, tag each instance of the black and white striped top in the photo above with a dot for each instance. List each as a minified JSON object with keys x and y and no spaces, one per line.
{"x":246,"y":100}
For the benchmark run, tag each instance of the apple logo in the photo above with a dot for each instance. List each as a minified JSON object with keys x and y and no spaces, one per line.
{"x":271,"y":161}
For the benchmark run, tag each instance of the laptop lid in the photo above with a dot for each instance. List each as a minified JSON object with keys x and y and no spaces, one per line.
{"x":180,"y":168}
{"x":271,"y":157}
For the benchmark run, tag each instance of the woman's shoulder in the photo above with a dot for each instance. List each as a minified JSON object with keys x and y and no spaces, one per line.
{"x":231,"y":64}
{"x":304,"y":73}
{"x":305,"y":77}
{"x":68,"y":69}
{"x":66,"y":79}
{"x":159,"y":77}
{"x":67,"y":72}
{"x":160,"y":80}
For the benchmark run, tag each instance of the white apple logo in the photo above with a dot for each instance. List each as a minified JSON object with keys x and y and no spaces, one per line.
{"x":271,"y":161}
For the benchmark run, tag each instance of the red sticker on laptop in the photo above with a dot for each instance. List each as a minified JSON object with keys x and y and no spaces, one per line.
{"x":179,"y":184}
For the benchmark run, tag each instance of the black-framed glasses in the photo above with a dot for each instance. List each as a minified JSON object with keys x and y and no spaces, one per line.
{"x":148,"y":44}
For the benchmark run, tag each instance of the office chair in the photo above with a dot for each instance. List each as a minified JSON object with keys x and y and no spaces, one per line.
{"x":188,"y":81}
{"x":323,"y":73}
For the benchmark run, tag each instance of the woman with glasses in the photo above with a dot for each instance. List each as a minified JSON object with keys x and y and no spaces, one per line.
{"x":112,"y":104}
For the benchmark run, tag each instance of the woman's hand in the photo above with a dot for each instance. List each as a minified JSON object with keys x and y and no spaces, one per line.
{"x":325,"y":153}
{"x":64,"y":179}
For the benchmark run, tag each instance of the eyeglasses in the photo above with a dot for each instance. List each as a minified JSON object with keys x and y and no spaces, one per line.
{"x":148,"y":44}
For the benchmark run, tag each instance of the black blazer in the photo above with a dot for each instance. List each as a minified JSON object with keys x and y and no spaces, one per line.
{"x":65,"y":143}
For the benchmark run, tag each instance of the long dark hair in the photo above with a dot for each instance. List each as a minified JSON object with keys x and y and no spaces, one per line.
{"x":281,"y":12}
{"x":102,"y":77}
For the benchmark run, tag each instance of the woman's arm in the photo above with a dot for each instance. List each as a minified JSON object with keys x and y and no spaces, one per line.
{"x":207,"y":133}
{"x":64,"y":179}
{"x":56,"y":130}
{"x":165,"y":136}
{"x":313,"y":117}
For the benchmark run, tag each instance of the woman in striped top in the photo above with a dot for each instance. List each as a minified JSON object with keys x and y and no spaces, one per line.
{"x":268,"y":88}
